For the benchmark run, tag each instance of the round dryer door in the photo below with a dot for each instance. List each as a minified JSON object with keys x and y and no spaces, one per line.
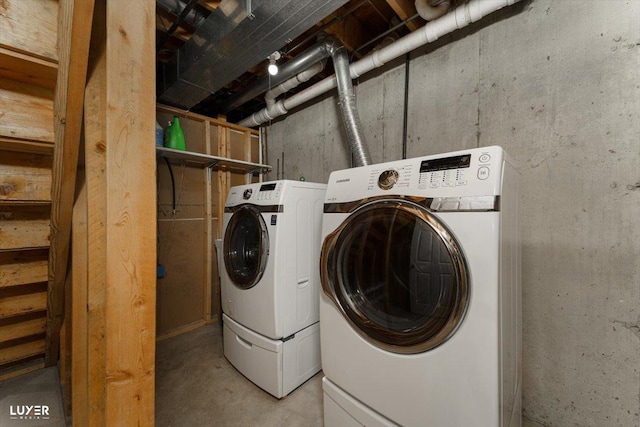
{"x":398,"y":276}
{"x":246,"y":247}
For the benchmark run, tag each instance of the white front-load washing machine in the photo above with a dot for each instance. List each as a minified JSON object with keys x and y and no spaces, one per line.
{"x":270,"y":282}
{"x":420,"y":314}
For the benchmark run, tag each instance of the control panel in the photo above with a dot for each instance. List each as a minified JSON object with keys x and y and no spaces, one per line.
{"x":471,"y":172}
{"x":270,"y":191}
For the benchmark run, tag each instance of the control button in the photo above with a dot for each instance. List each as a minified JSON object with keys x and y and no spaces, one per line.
{"x":388,"y":179}
{"x":484,"y":158}
{"x":435,"y":184}
{"x":458,"y":183}
{"x":447,"y":184}
{"x":483,"y":173}
{"x":247,"y":193}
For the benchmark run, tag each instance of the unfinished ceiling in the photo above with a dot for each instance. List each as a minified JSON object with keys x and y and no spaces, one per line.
{"x":208,"y":52}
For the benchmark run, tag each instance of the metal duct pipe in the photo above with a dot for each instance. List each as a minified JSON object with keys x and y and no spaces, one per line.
{"x":177,"y":6}
{"x":306,"y":59}
{"x":459,"y":18}
{"x":329,"y":46}
{"x":348,"y":108}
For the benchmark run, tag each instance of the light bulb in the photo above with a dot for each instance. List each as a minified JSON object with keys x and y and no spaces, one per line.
{"x":272,"y":69}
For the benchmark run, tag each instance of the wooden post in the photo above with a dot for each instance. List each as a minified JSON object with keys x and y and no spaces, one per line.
{"x":121,"y":222}
{"x":74,"y":29}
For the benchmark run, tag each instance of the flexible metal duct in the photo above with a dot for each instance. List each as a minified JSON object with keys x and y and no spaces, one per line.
{"x":326,"y":47}
{"x":459,"y":18}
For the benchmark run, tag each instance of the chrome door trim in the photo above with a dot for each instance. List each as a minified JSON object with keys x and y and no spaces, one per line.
{"x":432,"y":204}
{"x":264,"y":245}
{"x":259,"y":208}
{"x":461,"y":271}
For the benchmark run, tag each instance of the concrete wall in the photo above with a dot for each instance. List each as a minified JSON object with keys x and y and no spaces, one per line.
{"x":556,"y":83}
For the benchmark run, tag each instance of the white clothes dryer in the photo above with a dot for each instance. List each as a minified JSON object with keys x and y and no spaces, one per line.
{"x":420,"y":314}
{"x":270,"y":282}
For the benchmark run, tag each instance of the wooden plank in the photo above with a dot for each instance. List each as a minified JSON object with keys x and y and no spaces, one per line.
{"x":74,"y":35}
{"x":348,"y":30}
{"x":24,"y":227}
{"x":26,"y":111}
{"x":131,"y":214}
{"x":208,"y":269}
{"x":22,"y":300}
{"x":32,"y":27}
{"x":95,"y":161}
{"x":210,"y":4}
{"x":193,"y":116}
{"x":180,"y":292}
{"x":23,"y":267}
{"x":25,"y":177}
{"x":21,"y":351}
{"x":405,"y":9}
{"x":21,"y":327}
{"x":80,"y":369}
{"x":22,"y":369}
{"x":25,"y":146}
{"x":182,"y":330}
{"x":66,"y":352}
{"x":27,"y":69}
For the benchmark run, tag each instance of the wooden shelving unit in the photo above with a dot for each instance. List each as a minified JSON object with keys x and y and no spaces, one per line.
{"x":219,"y":155}
{"x":215,"y":162}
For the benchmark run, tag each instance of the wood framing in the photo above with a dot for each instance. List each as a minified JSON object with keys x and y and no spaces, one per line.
{"x":74,"y":33}
{"x":405,"y":9}
{"x":114,"y":285}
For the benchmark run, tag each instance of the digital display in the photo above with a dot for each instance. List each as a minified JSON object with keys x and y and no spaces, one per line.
{"x":268,"y":187}
{"x":457,"y":162}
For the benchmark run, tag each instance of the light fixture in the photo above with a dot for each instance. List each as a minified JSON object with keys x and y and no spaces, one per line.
{"x":273,"y":67}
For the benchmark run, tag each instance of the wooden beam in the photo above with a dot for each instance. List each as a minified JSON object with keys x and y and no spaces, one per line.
{"x":74,"y":34}
{"x":22,"y":300}
{"x":24,"y":227}
{"x":122,"y":249}
{"x":22,"y":369}
{"x":210,"y":4}
{"x":349,"y":30}
{"x":32,"y":27}
{"x":23,"y":267}
{"x":27,"y":69}
{"x":25,"y":146}
{"x":25,"y":177}
{"x":79,"y":315}
{"x":131,"y":214}
{"x":405,"y":9}
{"x":21,"y":327}
{"x":27,"y":111}
{"x":21,"y":351}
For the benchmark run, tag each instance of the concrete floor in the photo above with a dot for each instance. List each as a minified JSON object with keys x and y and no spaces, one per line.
{"x":41,"y":387}
{"x":195,"y":385}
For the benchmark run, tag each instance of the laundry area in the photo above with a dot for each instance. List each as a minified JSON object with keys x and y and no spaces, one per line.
{"x":352,"y":213}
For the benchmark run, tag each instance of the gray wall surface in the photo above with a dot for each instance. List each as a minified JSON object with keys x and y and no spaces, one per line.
{"x":556,"y":83}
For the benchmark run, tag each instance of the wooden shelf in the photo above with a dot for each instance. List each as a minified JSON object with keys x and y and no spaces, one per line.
{"x":212,"y":161}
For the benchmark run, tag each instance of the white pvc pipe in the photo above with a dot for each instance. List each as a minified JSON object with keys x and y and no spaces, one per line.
{"x":432,"y":31}
{"x":429,"y":12}
{"x":284,"y":87}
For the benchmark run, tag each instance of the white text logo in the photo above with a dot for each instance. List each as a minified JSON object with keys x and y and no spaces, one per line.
{"x":29,"y":412}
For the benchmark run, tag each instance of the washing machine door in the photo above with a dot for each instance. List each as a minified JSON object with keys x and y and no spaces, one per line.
{"x":397,"y":274}
{"x":246,"y":247}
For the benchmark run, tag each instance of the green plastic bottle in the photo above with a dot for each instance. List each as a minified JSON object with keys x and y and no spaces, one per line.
{"x":167,"y":134}
{"x":176,"y":136}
